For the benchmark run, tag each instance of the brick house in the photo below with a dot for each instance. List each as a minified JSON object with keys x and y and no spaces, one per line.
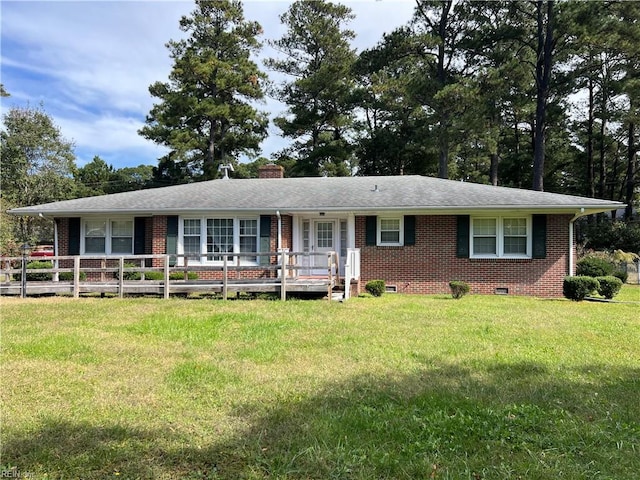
{"x":416,"y":233}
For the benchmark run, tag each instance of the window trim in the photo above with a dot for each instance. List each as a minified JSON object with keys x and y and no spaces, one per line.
{"x":500,"y":235}
{"x":400,"y":241}
{"x":204,"y":254}
{"x":108,"y":237}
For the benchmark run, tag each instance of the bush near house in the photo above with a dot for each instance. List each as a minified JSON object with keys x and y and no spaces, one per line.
{"x":609,"y":286}
{"x":155,"y":275}
{"x":37,"y":276}
{"x":375,"y":287}
{"x":602,"y":264}
{"x":458,"y":289}
{"x":172,"y":276}
{"x":594,"y":266}
{"x":68,"y":276}
{"x":577,"y":288}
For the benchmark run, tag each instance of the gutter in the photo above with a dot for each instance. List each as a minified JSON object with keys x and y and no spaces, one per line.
{"x":358,"y":210}
{"x":578,"y":215}
{"x":279,"y":230}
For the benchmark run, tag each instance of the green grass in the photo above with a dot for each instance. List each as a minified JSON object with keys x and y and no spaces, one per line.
{"x":486,"y":387}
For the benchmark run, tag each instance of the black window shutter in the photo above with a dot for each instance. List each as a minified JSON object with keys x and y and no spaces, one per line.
{"x":139,"y":235}
{"x":172,"y":238}
{"x":74,"y":236}
{"x":265,"y":238}
{"x":539,"y":236}
{"x":370,"y":230}
{"x":409,"y":230}
{"x":265,"y":226}
{"x":462,"y":250}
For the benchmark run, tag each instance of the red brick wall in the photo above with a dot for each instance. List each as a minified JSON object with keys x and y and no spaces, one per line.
{"x":429,"y":265}
{"x":63,"y":236}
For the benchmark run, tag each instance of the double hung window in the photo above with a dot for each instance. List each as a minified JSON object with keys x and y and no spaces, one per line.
{"x":390,"y":231}
{"x":501,"y":237}
{"x":209,"y":239}
{"x":110,"y":237}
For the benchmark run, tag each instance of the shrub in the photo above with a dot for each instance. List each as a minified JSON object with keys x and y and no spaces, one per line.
{"x":594,"y":266}
{"x":35,"y":276}
{"x":577,"y":288}
{"x":155,"y":275}
{"x":622,"y":275}
{"x":609,"y":286}
{"x":180,"y":276}
{"x":129,"y":275}
{"x":375,"y":287}
{"x":458,"y":289}
{"x":68,"y":276}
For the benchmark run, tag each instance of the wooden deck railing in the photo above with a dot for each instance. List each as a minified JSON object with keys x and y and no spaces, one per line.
{"x":271,"y":271}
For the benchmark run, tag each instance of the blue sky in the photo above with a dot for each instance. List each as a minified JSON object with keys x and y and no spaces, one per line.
{"x":90,"y":64}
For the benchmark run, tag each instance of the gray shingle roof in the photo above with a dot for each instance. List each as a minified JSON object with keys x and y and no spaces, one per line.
{"x":352,"y":194}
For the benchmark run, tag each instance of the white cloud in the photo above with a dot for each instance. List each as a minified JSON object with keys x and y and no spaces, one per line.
{"x":91,"y":63}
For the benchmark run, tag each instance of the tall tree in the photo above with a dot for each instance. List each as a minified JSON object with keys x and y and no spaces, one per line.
{"x":439,"y":26}
{"x":99,"y":178}
{"x":205,"y":113}
{"x":393,"y":137}
{"x":545,"y":45}
{"x":316,"y":54}
{"x":629,"y":44}
{"x":93,"y":178}
{"x":37,"y":166}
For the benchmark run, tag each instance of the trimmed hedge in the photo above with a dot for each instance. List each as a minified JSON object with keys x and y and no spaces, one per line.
{"x":155,"y":275}
{"x":376,"y":287}
{"x":622,"y":275}
{"x":68,"y":276}
{"x":35,"y":276}
{"x":594,"y":267}
{"x":609,"y":286}
{"x":458,"y":289}
{"x":577,"y":288}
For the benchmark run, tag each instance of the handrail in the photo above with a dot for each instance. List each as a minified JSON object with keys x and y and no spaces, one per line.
{"x":116,"y":266}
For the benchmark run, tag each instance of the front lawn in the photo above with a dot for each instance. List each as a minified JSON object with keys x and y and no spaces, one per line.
{"x":486,"y":387}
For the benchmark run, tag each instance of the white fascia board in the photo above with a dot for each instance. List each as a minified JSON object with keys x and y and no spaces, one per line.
{"x":585,"y":209}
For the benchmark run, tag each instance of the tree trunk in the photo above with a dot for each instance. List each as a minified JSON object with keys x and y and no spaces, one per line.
{"x":602,"y":181}
{"x":631,"y":167}
{"x":543,"y":80}
{"x":493,"y":172}
{"x":443,"y":163}
{"x":208,"y":166}
{"x":591,"y":186}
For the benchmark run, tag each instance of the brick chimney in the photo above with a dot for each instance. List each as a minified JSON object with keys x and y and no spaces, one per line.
{"x":271,"y":171}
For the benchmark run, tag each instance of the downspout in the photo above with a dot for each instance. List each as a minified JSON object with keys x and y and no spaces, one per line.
{"x":55,"y":248}
{"x":279,"y":230}
{"x":571,"y":242}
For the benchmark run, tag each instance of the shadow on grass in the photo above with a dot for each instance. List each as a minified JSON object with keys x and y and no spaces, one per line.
{"x":504,"y":421}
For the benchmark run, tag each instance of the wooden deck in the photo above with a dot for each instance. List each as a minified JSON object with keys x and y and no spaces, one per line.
{"x":113,"y":275}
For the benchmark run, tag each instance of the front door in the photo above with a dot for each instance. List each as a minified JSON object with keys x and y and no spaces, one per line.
{"x":324,"y":241}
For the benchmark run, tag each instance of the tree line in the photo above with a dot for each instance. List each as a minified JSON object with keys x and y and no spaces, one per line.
{"x":539,"y":94}
{"x":532,"y":94}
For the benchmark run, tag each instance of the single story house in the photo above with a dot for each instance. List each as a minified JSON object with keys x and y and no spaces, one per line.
{"x":417,"y":233}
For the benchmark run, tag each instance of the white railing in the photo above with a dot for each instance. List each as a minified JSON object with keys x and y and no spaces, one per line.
{"x":351,"y":270}
{"x":122,"y":274}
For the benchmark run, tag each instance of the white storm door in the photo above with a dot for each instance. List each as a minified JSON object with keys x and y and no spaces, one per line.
{"x":324,"y":241}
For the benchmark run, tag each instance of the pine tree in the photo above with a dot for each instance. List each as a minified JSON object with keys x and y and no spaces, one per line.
{"x":318,"y":57}
{"x":205,"y":113}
